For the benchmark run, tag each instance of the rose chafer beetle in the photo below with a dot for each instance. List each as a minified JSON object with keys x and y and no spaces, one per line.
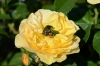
{"x":49,"y":31}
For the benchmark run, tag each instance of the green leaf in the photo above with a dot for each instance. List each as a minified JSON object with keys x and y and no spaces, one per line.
{"x":96,"y":42}
{"x":48,"y":6}
{"x":4,"y":63}
{"x":98,"y":62}
{"x":85,"y":26}
{"x":81,"y":1}
{"x":97,"y":26}
{"x":7,"y":1}
{"x":64,"y":5}
{"x":21,"y":11}
{"x":90,"y":63}
{"x":4,"y":16}
{"x":16,"y":60}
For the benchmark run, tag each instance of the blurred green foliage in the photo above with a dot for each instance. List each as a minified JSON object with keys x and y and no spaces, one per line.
{"x":84,"y":14}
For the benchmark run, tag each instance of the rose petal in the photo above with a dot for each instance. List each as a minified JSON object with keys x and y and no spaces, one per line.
{"x":22,"y":42}
{"x":22,"y":26}
{"x":76,"y":27}
{"x":49,"y":59}
{"x":61,"y":58}
{"x":46,"y":58}
{"x":75,"y":44}
{"x":35,"y":23}
{"x":44,"y":14}
{"x":76,"y":50}
{"x":93,"y":1}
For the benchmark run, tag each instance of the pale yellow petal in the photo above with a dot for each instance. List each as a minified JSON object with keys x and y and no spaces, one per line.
{"x":93,"y":1}
{"x":71,"y":28}
{"x":21,"y":42}
{"x":46,"y":58}
{"x":75,"y":44}
{"x":76,"y":50}
{"x":76,"y":27}
{"x":22,"y":26}
{"x":62,"y":38}
{"x":45,"y":14}
{"x":34,"y":23}
{"x":61,"y":58}
{"x":49,"y":59}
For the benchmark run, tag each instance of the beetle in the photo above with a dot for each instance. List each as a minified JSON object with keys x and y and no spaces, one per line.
{"x":49,"y":31}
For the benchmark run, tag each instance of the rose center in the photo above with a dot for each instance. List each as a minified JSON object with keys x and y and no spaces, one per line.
{"x":49,"y":31}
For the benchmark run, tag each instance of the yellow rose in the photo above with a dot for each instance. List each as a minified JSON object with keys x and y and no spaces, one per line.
{"x":48,"y":49}
{"x":93,"y":1}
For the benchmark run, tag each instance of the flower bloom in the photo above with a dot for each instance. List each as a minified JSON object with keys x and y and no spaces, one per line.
{"x":25,"y":60}
{"x":48,"y":49}
{"x":93,"y":1}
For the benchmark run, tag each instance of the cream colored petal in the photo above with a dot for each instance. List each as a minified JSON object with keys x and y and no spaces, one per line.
{"x":49,"y":59}
{"x":22,"y":26}
{"x":34,"y":23}
{"x":46,"y":58}
{"x":75,"y":44}
{"x":93,"y":1}
{"x":70,"y":31}
{"x":20,"y":42}
{"x":76,"y":50}
{"x":44,"y":14}
{"x":61,"y":58}
{"x":76,"y":39}
{"x":71,"y":28}
{"x":32,"y":20}
{"x":61,"y":38}
{"x":76,"y":27}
